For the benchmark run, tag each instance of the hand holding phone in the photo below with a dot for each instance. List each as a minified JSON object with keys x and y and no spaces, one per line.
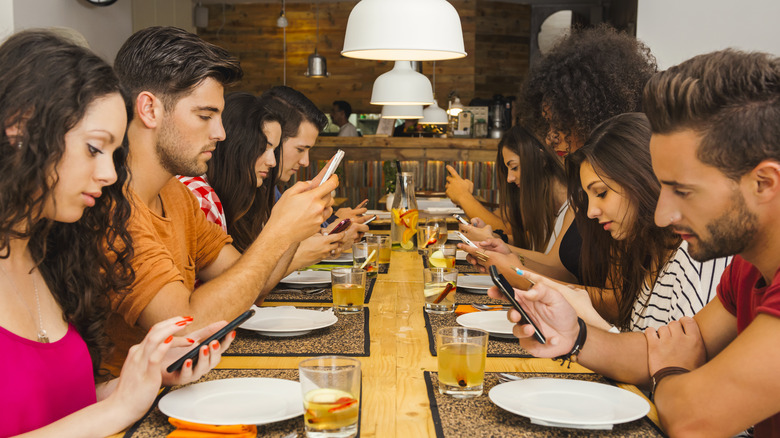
{"x":466,"y":239}
{"x":508,"y":292}
{"x":369,"y":220}
{"x":219,"y":335}
{"x":343,"y":225}
{"x":334,"y":163}
{"x":461,"y":219}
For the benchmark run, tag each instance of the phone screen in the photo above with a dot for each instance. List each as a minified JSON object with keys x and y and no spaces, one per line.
{"x":506,"y":289}
{"x":333,"y":165}
{"x":193,"y":354}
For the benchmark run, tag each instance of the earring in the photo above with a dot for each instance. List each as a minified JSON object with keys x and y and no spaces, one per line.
{"x":19,"y":145}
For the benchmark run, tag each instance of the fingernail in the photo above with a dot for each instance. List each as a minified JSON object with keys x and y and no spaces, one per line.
{"x":204,"y":351}
{"x":191,"y":341}
{"x":233,"y":334}
{"x":169,"y":339}
{"x":215,"y":345}
{"x":188,"y":363}
{"x":519,"y":271}
{"x":182,"y":323}
{"x":187,"y":318}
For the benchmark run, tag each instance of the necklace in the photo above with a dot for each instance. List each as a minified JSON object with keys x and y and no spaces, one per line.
{"x":43,"y":337}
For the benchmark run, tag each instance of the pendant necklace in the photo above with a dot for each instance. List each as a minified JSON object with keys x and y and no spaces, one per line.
{"x":43,"y":337}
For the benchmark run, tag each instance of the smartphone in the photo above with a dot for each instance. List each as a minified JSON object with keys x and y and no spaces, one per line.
{"x":343,"y":225}
{"x":334,"y":163}
{"x":508,"y":292}
{"x":371,"y":219}
{"x":194,"y":354}
{"x":466,"y":239}
{"x":461,"y":219}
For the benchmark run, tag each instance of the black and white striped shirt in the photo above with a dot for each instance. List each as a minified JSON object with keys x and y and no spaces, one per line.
{"x":683,"y":287}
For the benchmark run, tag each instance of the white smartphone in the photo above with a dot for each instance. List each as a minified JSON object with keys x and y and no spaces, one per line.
{"x":334,"y":163}
{"x":465,"y":239}
{"x":461,"y":219}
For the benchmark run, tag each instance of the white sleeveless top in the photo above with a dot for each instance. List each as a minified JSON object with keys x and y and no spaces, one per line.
{"x":558,"y":225}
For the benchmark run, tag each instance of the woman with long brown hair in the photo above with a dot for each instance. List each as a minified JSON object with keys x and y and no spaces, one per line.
{"x":64,"y":246}
{"x":534,"y":204}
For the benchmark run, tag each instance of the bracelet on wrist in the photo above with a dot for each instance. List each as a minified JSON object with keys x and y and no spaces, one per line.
{"x":578,"y":343}
{"x":665,"y":372}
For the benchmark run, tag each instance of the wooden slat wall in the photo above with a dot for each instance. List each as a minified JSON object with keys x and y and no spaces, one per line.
{"x":495,"y":36}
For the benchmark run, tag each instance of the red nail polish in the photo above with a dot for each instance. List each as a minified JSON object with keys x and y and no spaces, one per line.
{"x":205,"y":351}
{"x":191,"y":341}
{"x":215,"y":345}
{"x":187,"y":318}
{"x":188,"y":363}
{"x":182,"y":323}
{"x":233,"y":334}
{"x":169,"y":339}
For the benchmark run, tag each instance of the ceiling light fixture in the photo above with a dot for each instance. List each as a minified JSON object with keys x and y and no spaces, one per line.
{"x":411,"y":30}
{"x":318,"y":65}
{"x":402,"y":86}
{"x":402,"y":112}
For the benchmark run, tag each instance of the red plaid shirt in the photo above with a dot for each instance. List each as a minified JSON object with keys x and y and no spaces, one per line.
{"x":208,"y":199}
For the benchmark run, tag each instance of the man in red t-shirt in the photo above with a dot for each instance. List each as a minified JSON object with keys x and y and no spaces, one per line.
{"x":716,"y":151}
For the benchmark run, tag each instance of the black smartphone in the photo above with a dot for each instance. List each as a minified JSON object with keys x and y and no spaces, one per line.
{"x":371,"y":219}
{"x":194,"y":353}
{"x":343,"y":225}
{"x":508,"y":292}
{"x":461,"y":219}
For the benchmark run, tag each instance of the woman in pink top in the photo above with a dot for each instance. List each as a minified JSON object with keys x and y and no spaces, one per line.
{"x":63,"y":245}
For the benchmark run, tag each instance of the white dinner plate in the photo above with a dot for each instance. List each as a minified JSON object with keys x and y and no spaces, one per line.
{"x":475,"y":283}
{"x":569,"y":403}
{"x":307,"y":278}
{"x":254,"y":400}
{"x":343,"y":258}
{"x":288,"y":321}
{"x":491,"y":321}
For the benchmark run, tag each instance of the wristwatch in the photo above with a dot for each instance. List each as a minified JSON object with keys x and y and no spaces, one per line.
{"x":665,"y":372}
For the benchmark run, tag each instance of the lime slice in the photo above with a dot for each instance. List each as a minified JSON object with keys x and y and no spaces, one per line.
{"x":437,"y":260}
{"x":326,"y":395}
{"x":407,"y":244}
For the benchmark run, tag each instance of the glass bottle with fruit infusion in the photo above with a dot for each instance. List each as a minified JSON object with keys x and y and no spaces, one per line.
{"x":403,"y":229}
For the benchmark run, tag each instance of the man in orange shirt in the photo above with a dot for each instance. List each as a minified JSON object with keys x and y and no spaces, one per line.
{"x":176,"y":82}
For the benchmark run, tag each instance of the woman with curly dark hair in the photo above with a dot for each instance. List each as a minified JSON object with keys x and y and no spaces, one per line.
{"x":589,"y":76}
{"x":63,"y":246}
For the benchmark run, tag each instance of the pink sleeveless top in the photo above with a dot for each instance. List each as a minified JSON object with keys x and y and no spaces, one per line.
{"x":41,"y":383}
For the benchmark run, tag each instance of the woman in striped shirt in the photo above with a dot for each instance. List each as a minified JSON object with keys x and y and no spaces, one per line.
{"x":643,"y":273}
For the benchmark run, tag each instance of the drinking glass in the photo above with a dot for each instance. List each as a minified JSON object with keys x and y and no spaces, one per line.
{"x":439,"y":288}
{"x":331,"y":396}
{"x":349,"y":289}
{"x":385,"y":247}
{"x":441,"y":224}
{"x":362,"y":251}
{"x":461,"y":354}
{"x":427,"y":235}
{"x":442,"y":256}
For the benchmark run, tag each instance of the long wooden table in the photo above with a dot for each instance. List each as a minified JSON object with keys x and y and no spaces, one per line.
{"x":395,"y":401}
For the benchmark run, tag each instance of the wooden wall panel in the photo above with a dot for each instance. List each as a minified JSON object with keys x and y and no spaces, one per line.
{"x":248,"y":30}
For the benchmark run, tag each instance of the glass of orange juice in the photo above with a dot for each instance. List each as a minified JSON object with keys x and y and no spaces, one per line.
{"x":331,"y":396}
{"x":461,"y":355}
{"x":349,"y":289}
{"x":385,"y":247}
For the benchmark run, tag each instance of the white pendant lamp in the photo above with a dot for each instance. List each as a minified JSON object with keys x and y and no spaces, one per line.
{"x":402,"y":86}
{"x":402,"y":112}
{"x":434,"y":115}
{"x":412,"y":30}
{"x":455,"y":107}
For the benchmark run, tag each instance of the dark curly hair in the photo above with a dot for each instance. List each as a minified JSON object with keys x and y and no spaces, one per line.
{"x":46,"y":86}
{"x":589,"y":76}
{"x":231,"y":171}
{"x":619,"y":149}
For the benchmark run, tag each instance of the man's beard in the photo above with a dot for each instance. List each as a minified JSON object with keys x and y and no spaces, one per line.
{"x":172,"y":153}
{"x":729,"y":234}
